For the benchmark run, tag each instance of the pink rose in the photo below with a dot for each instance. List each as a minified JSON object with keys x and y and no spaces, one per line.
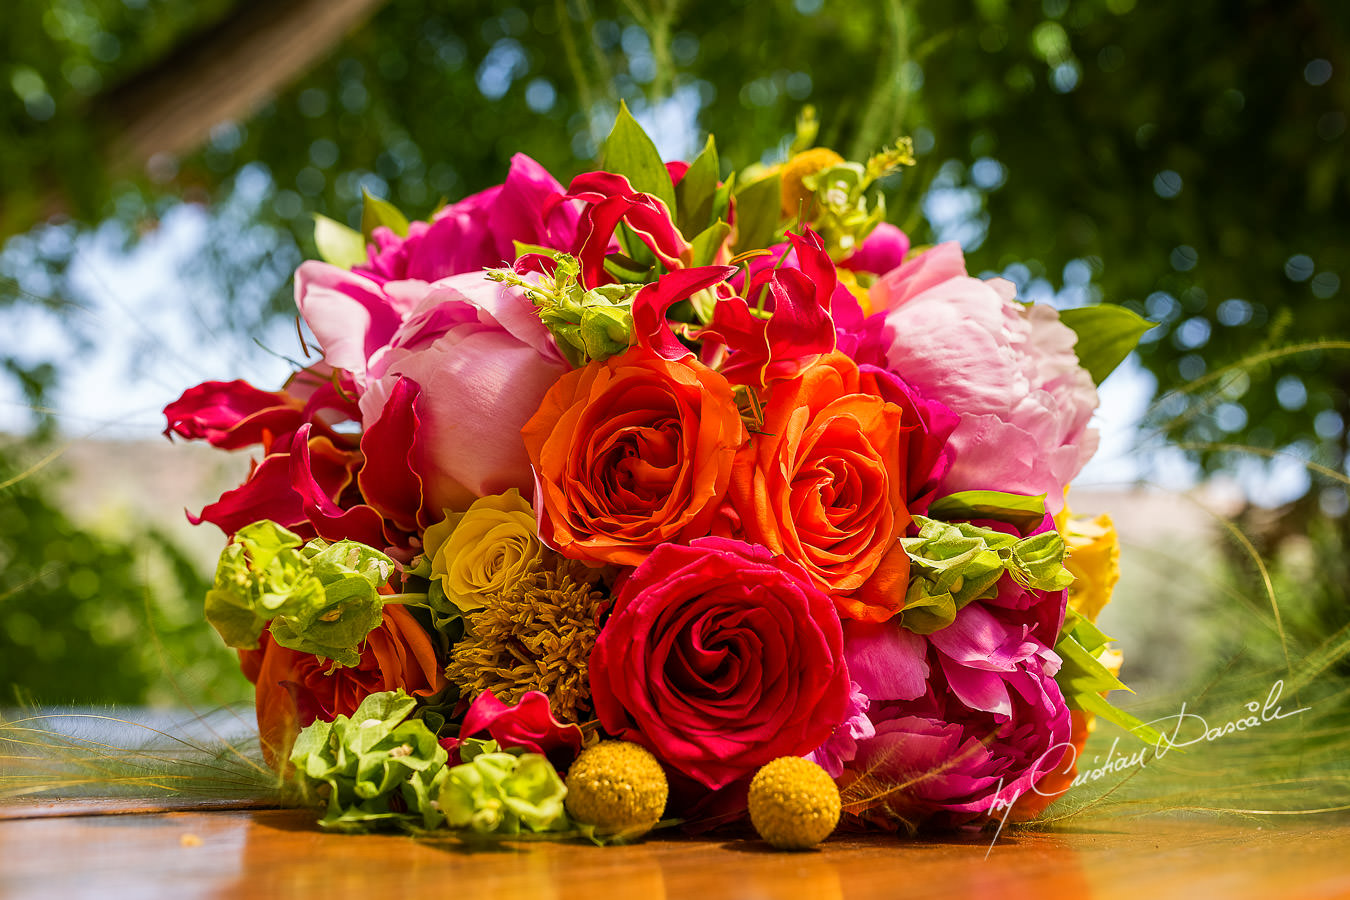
{"x":720,"y":657}
{"x":1009,"y":371}
{"x":484,"y":361}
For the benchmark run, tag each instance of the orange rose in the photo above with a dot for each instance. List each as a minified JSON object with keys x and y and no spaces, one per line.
{"x":630,"y":453}
{"x":823,"y":484}
{"x":293,"y":689}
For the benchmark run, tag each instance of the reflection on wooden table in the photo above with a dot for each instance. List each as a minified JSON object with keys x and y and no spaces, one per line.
{"x":279,"y":852}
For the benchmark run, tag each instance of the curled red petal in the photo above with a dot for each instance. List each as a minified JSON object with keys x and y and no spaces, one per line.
{"x":232,"y":414}
{"x":387,"y":479}
{"x":798,"y":328}
{"x":653,"y":301}
{"x":611,"y":200}
{"x":320,"y":472}
{"x":267,"y":494}
{"x":529,"y":725}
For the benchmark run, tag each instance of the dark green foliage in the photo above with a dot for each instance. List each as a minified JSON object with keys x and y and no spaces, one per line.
{"x":1190,"y":159}
{"x":93,"y":618}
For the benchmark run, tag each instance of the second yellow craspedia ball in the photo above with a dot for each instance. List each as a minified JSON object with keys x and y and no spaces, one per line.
{"x":618,"y":787}
{"x":794,"y":803}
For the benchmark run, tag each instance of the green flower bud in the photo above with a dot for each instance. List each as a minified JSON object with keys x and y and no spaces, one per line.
{"x":498,"y":793}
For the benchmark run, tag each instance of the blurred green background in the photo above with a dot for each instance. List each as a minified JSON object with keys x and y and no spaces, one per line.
{"x":160,"y":161}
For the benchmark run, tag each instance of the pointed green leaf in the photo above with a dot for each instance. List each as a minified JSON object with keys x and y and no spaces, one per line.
{"x":1082,"y":672}
{"x":625,"y":269}
{"x":1099,"y":705}
{"x":376,"y":212}
{"x":721,"y":204}
{"x":706,"y":243}
{"x":338,"y":244}
{"x":758,"y":205}
{"x":697,"y":191}
{"x":631,"y":153}
{"x":1106,"y":335}
{"x":1015,"y":509}
{"x":1083,"y":678}
{"x":523,"y":249}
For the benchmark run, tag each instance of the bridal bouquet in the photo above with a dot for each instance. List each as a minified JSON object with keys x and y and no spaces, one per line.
{"x":697,"y":490}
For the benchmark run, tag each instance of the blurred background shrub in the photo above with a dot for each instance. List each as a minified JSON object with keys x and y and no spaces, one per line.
{"x":160,"y":161}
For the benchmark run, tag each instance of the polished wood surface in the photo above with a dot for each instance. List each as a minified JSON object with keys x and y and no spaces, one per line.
{"x":262,"y":853}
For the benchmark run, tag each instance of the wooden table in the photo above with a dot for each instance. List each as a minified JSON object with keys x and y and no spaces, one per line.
{"x":263,"y":853}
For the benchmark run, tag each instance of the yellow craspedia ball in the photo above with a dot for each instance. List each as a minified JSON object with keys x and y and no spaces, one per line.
{"x":794,"y":194}
{"x":794,"y":804}
{"x":618,"y":787}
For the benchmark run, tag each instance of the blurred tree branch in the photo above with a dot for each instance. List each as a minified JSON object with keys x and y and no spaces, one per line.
{"x":222,"y":73}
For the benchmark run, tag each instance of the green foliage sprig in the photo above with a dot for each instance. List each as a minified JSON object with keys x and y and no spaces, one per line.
{"x":318,"y":597}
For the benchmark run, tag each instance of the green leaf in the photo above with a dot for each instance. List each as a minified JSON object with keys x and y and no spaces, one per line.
{"x":630,"y":152}
{"x":1083,"y":678}
{"x":338,"y":244}
{"x":1099,"y":705}
{"x":758,"y":205}
{"x":697,"y":192}
{"x":1082,"y":672}
{"x":626,"y":269}
{"x":1106,"y":335}
{"x":721,"y":204}
{"x":1016,"y":509}
{"x":705,"y":244}
{"x":376,"y":212}
{"x":523,"y":249}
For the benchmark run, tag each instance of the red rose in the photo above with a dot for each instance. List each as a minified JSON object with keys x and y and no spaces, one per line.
{"x":719,"y":657}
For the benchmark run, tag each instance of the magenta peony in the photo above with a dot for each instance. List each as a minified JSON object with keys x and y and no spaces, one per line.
{"x":479,"y":231}
{"x":883,"y":250}
{"x":963,"y":717}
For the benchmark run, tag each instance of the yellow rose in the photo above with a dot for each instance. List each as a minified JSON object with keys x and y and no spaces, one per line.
{"x":481,"y":552}
{"x":1094,"y":559}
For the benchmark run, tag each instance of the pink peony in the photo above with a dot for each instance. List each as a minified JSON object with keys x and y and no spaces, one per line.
{"x":963,"y":717}
{"x":1008,"y":370}
{"x":842,"y":746}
